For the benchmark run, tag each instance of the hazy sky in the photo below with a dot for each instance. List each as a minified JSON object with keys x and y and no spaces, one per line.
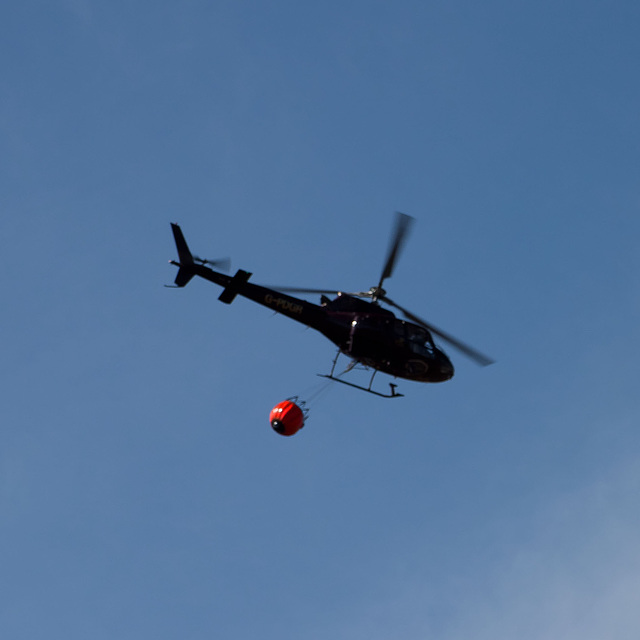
{"x":143,"y":493}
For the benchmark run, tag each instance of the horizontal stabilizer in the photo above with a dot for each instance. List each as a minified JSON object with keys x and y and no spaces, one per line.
{"x":231,"y":290}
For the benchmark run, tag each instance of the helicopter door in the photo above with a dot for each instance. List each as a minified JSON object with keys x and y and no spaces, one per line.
{"x":355,"y":330}
{"x":367,"y":334}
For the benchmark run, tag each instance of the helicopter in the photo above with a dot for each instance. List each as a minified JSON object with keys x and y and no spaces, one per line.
{"x":364,"y":331}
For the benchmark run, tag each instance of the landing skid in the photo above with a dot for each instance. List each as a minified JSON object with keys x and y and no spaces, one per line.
{"x":368,"y":389}
{"x":393,"y":393}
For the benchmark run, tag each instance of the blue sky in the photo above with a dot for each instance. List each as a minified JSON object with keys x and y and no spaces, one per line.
{"x":142,"y":491}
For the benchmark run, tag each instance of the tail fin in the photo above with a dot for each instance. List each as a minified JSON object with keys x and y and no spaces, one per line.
{"x":185,"y":272}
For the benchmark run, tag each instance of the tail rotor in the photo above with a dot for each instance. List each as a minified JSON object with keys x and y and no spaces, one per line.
{"x":187,"y":262}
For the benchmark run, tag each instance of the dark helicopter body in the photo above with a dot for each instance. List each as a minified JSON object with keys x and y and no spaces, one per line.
{"x":374,"y":337}
{"x":361,"y":329}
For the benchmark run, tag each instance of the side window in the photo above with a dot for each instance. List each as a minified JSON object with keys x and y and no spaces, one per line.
{"x":416,"y":334}
{"x":398,"y":329}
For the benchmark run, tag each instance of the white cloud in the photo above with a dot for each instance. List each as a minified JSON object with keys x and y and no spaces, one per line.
{"x":577,"y":576}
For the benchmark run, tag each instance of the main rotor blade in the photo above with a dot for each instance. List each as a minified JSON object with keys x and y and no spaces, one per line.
{"x":470,"y":352}
{"x":303,"y":290}
{"x":402,"y":226}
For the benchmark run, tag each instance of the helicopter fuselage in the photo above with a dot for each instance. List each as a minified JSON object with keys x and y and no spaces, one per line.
{"x":362,"y":330}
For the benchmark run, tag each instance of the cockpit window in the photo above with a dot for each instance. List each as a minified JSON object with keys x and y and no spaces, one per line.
{"x":418,"y":338}
{"x":416,"y":334}
{"x":421,"y":349}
